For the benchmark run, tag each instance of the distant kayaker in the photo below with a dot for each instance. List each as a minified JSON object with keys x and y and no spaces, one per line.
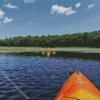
{"x":48,"y":50}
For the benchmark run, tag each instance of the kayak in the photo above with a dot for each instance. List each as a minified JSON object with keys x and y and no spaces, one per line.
{"x":43,"y":52}
{"x":53,"y":52}
{"x":78,"y":87}
{"x":48,"y":50}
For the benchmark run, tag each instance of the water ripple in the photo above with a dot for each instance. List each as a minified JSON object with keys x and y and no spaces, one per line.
{"x":42,"y":78}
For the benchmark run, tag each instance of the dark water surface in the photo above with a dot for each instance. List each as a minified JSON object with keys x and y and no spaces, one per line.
{"x":40,"y":77}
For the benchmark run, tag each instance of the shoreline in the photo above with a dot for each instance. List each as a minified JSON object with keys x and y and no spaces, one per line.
{"x":56,"y":49}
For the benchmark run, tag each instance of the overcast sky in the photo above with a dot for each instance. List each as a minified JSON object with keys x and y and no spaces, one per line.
{"x":48,"y":17}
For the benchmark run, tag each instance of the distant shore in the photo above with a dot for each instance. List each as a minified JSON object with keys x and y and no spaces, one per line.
{"x":39,"y":49}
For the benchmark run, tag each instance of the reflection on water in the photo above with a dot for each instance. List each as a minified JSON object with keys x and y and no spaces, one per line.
{"x":41,"y":77}
{"x":63,"y":54}
{"x":48,"y":54}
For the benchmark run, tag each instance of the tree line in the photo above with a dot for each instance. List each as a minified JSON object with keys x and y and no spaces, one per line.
{"x":86,"y":39}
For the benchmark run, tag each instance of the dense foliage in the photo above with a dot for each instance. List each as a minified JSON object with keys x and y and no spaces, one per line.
{"x":85,"y":39}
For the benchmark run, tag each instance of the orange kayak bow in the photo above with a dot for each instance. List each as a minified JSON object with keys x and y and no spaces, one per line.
{"x":78,"y":87}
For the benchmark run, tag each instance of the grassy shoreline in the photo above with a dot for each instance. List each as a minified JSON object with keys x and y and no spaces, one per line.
{"x":39,"y":49}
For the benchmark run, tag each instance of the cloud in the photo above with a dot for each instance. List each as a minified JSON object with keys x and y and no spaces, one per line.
{"x":91,"y":6}
{"x":70,"y":12}
{"x":1,"y":13}
{"x":59,"y":9}
{"x":62,"y":10}
{"x":78,"y":5}
{"x":7,"y":20}
{"x":11,"y":6}
{"x":30,"y":1}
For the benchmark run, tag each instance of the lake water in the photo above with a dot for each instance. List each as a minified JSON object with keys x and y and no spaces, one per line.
{"x":41,"y":77}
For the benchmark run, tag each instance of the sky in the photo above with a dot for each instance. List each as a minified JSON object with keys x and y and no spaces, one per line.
{"x":48,"y":17}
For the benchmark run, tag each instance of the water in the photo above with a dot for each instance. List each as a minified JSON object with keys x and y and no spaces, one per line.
{"x":40,"y":77}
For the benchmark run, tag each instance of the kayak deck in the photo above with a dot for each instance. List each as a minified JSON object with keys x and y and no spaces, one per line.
{"x":78,"y":87}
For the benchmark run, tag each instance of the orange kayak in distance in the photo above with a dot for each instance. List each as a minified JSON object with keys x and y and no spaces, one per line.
{"x":78,"y":87}
{"x":48,"y":50}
